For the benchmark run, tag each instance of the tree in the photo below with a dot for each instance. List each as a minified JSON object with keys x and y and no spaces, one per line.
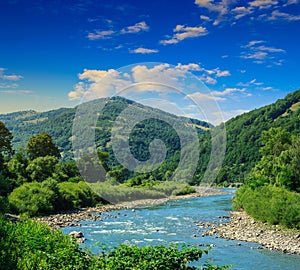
{"x":41,"y":145}
{"x":41,"y":168}
{"x":17,"y":168}
{"x":5,"y":144}
{"x":32,"y":198}
{"x":275,"y":140}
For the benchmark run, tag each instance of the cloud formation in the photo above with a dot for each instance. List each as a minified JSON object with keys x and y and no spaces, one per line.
{"x":138,"y":27}
{"x":106,"y":34}
{"x":182,"y":32}
{"x":230,"y":11}
{"x":144,"y":51}
{"x":261,"y":54}
{"x":104,"y":83}
{"x":100,"y":34}
{"x":5,"y":77}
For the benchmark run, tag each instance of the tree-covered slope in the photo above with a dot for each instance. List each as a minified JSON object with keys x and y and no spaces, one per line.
{"x":59,"y":124}
{"x":244,"y":132}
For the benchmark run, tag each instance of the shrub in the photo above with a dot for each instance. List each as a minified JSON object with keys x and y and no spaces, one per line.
{"x":271,"y":204}
{"x":184,"y":191}
{"x":74,"y":195}
{"x":30,"y":245}
{"x":32,"y":199}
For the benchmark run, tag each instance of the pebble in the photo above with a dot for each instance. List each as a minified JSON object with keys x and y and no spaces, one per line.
{"x":242,"y":227}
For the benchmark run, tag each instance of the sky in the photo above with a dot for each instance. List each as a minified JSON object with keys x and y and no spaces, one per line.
{"x":189,"y":57}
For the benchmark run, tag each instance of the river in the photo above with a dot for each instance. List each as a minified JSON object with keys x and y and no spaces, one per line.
{"x":175,"y":221}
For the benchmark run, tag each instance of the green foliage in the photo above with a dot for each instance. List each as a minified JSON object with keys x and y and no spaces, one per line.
{"x":244,"y":133}
{"x":268,"y":194}
{"x":41,"y":145}
{"x":41,"y":168}
{"x":5,"y":140}
{"x":48,"y":196}
{"x":121,"y":193}
{"x":184,"y":191}
{"x":17,"y":168}
{"x":279,"y":164}
{"x":271,"y":204}
{"x":74,"y":195}
{"x":150,"y":257}
{"x":32,"y":199}
{"x":116,"y":192}
{"x":30,"y":245}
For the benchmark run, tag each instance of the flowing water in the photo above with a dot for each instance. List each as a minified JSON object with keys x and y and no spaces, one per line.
{"x":175,"y":221}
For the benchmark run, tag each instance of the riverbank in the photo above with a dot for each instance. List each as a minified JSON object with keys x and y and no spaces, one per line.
{"x":242,"y":227}
{"x":71,"y":218}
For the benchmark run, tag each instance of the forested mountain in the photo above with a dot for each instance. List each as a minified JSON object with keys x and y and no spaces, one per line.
{"x":243,"y":133}
{"x":59,"y":124}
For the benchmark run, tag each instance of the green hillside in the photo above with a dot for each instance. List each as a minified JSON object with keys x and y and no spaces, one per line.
{"x":59,"y":124}
{"x":243,"y":133}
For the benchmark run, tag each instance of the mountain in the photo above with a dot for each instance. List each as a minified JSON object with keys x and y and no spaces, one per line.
{"x":59,"y":124}
{"x":243,"y":133}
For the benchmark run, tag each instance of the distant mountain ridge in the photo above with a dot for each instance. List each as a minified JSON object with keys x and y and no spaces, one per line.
{"x":58,"y":123}
{"x":243,"y":133}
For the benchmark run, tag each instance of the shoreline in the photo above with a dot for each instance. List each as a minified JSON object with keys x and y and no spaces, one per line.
{"x":242,"y":227}
{"x":71,"y":218}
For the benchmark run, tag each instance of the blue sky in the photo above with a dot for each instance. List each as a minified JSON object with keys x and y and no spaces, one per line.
{"x":52,"y":52}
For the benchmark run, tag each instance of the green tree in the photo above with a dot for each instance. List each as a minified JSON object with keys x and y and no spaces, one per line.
{"x":17,"y":168}
{"x":41,"y":168}
{"x":275,"y":140}
{"x":41,"y":145}
{"x":32,"y":199}
{"x":5,"y":145}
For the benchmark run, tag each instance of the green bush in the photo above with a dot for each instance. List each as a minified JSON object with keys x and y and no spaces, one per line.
{"x":271,"y":204}
{"x":184,"y":191}
{"x":31,"y":245}
{"x":74,"y":195}
{"x":152,"y":257}
{"x":32,"y":199}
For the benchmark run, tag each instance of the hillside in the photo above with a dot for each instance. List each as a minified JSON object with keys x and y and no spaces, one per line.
{"x":243,"y":133}
{"x":59,"y":124}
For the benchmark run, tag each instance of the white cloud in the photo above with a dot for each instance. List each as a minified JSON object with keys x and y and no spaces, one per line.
{"x":9,"y":77}
{"x":138,"y":27}
{"x":205,"y":18}
{"x":200,"y":97}
{"x":277,"y":15}
{"x":222,"y":73}
{"x":220,"y":7}
{"x":229,"y":11}
{"x":8,"y":85}
{"x":182,"y":32}
{"x":241,"y":11}
{"x":144,"y":51}
{"x":263,"y":4}
{"x":250,"y":83}
{"x":227,"y":91}
{"x":100,"y":34}
{"x":16,"y":92}
{"x":190,"y":67}
{"x":261,"y":54}
{"x":207,"y":79}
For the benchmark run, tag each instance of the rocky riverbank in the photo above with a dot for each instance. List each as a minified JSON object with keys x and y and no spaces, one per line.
{"x":71,"y":218}
{"x":242,"y":227}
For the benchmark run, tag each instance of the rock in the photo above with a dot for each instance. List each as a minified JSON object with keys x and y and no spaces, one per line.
{"x":76,"y":234}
